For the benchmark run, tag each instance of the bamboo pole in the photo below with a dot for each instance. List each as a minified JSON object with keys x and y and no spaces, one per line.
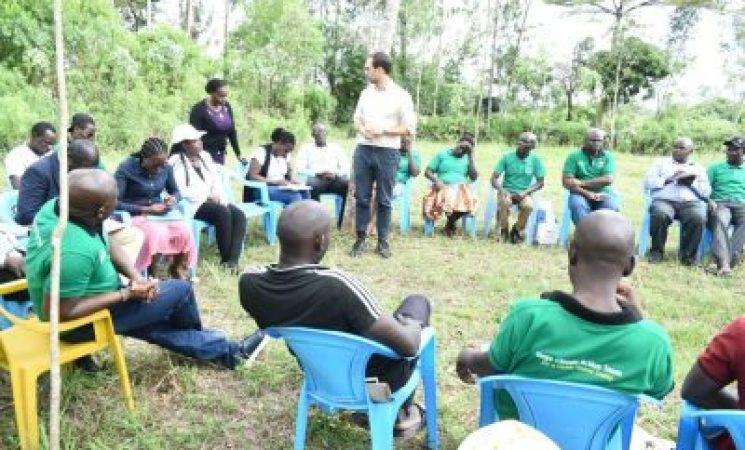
{"x":54,"y":392}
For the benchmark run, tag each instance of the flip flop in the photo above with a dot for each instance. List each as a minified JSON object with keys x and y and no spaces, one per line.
{"x":405,"y":433}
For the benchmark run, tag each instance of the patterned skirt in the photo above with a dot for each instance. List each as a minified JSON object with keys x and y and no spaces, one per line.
{"x":452,"y":198}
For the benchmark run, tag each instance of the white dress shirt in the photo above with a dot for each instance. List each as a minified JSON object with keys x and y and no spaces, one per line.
{"x":20,"y":158}
{"x":664,"y":168}
{"x":313,"y":160}
{"x":390,"y":107}
{"x":198,"y":188}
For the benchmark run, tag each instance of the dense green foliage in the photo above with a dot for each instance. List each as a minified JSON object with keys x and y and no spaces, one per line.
{"x":291,"y":62}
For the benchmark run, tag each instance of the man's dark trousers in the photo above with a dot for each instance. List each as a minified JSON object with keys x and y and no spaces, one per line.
{"x":374,"y":165}
{"x":692,"y":217}
{"x":339,"y":186}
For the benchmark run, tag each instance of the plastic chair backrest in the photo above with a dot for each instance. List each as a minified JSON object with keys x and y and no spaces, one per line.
{"x":334,"y":364}
{"x":8,"y":206}
{"x":695,"y":422}
{"x":595,"y":412}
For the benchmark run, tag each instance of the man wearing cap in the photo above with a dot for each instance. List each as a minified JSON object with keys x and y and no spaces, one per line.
{"x":588,"y":175}
{"x":679,"y":189}
{"x":522,"y":173}
{"x":727,"y":207}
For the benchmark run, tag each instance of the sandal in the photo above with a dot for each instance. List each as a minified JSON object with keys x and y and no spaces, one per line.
{"x":411,"y":430}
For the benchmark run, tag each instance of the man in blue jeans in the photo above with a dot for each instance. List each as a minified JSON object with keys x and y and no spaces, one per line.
{"x":383,"y":115}
{"x":162,"y":313}
{"x":588,"y":175}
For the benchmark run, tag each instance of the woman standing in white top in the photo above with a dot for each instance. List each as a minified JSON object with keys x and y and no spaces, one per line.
{"x":200,"y":183}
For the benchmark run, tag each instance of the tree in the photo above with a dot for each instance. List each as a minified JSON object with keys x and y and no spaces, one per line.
{"x":644,"y":65}
{"x":576,"y":76}
{"x":280,"y":43}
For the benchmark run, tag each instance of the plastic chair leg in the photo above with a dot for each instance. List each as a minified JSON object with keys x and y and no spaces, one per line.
{"x":487,"y":413}
{"x":429,"y":227}
{"x":429,"y":381}
{"x":382,"y":418}
{"x":301,"y":424}
{"x":25,"y":404}
{"x":531,"y":228}
{"x":121,"y":367}
{"x":489,"y":214}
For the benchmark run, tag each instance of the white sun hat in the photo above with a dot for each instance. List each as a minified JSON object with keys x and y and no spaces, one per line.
{"x":185,"y":132}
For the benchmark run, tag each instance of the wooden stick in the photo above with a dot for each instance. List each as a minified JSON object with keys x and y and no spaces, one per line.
{"x":54,"y":392}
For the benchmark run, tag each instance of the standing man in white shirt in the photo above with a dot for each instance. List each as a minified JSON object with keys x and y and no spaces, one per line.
{"x":326,"y":168}
{"x":43,"y":137}
{"x":384,"y":113}
{"x":679,"y":189}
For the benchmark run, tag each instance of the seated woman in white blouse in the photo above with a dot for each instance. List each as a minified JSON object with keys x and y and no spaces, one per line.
{"x":269,"y":164}
{"x":199,"y":181}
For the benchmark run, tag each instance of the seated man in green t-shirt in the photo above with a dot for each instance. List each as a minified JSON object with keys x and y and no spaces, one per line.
{"x":727,"y":207}
{"x":588,"y":174}
{"x":164,"y":313}
{"x":595,"y":335}
{"x":522,"y":173}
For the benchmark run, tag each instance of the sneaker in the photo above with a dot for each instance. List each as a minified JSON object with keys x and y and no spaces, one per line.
{"x":248,"y":346}
{"x":383,"y":249}
{"x":358,"y":248}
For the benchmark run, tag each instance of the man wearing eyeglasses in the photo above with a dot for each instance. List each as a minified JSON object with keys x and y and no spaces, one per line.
{"x":679,"y":189}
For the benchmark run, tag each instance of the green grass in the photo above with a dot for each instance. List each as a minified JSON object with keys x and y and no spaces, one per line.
{"x":182,"y":404}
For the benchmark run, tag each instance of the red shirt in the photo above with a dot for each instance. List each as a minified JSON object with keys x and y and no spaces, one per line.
{"x":724,"y":362}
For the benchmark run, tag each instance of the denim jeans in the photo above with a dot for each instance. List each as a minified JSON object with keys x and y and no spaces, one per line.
{"x":580,"y":206}
{"x":170,"y":321}
{"x":286,"y":197}
{"x":374,"y":165}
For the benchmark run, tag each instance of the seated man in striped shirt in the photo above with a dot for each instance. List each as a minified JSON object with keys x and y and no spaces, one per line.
{"x":298,"y":291}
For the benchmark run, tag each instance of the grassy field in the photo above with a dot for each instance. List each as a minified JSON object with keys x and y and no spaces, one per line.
{"x":182,"y":404}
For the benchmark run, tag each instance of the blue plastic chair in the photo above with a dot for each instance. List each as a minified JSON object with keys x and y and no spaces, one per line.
{"x":8,"y":209}
{"x":492,"y":213}
{"x":467,"y":222}
{"x":336,"y":199}
{"x":403,"y":202}
{"x":264,"y":208}
{"x":598,"y":417}
{"x":334,"y":366}
{"x":198,"y":226}
{"x":566,"y":218}
{"x":644,"y":237}
{"x":696,"y":423}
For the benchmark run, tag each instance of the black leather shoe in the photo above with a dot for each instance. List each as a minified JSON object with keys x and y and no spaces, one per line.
{"x":87,"y":364}
{"x":358,"y":248}
{"x":248,"y":345}
{"x":383,"y":249}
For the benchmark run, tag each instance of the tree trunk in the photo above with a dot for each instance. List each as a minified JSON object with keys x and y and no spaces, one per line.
{"x":617,"y":46}
{"x":403,"y":57}
{"x":518,"y":44}
{"x":54,"y":366}
{"x":387,"y":29}
{"x":189,"y":17}
{"x":570,"y":104}
{"x":438,"y":53}
{"x":493,"y":63}
{"x":225,"y":35}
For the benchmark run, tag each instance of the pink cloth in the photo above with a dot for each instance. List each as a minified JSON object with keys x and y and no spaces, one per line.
{"x":163,"y":237}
